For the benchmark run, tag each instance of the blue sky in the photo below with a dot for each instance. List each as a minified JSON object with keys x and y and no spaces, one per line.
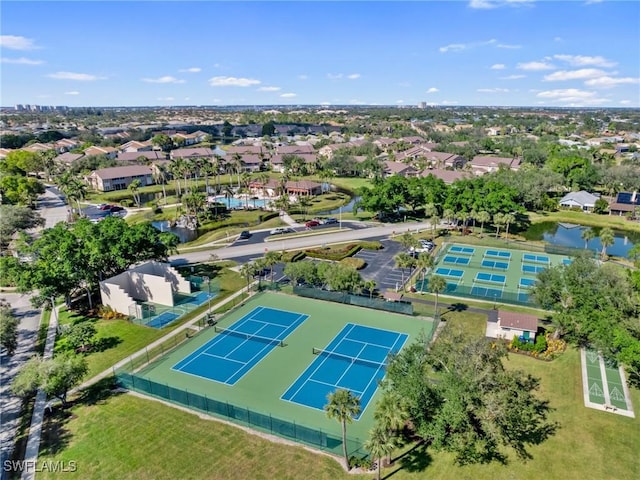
{"x":475,"y":52}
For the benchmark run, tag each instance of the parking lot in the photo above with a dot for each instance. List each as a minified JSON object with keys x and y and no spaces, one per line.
{"x":381,"y":266}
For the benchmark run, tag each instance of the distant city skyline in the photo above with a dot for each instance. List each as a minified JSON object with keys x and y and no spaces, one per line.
{"x":477,"y":53}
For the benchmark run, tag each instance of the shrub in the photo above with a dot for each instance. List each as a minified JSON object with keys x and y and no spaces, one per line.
{"x":268,"y":216}
{"x":107,"y":313}
{"x":356,"y":263}
{"x":335,"y":254}
{"x":373,"y":245}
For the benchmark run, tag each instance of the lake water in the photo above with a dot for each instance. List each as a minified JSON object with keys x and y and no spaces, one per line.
{"x":184,"y":234}
{"x":569,"y":235}
{"x":345,"y":208}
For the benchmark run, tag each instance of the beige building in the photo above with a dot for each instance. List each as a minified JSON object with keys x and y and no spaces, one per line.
{"x":119,"y":178}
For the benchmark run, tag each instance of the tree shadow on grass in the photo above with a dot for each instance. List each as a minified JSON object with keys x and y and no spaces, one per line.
{"x":55,"y":435}
{"x":458,"y":307}
{"x":417,"y":459}
{"x":105,"y":343}
{"x":98,"y":393}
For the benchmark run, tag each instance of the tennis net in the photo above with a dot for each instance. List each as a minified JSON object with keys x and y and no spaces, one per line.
{"x":361,"y":361}
{"x":248,"y":336}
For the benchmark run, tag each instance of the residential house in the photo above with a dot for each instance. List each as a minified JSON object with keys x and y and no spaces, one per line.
{"x":513,"y":324}
{"x":119,"y":178}
{"x":385,"y":144}
{"x":277,"y":162}
{"x":190,"y":138}
{"x":398,"y":168}
{"x":135,"y":146}
{"x":246,"y":150}
{"x":481,"y":165}
{"x":294,"y":149}
{"x":187,"y":153}
{"x":414,"y":140}
{"x":625,"y":203}
{"x":108,"y":152}
{"x":303,"y":187}
{"x":38,"y":147}
{"x":584,"y":200}
{"x":65,"y":145}
{"x":141,"y":156}
{"x":251,"y":163}
{"x":68,"y":157}
{"x":447,"y":176}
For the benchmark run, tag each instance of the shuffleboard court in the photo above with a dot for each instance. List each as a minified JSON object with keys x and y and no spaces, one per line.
{"x":228,"y":356}
{"x":532,"y":258}
{"x":495,"y":264}
{"x":497,"y":254}
{"x":456,"y":260}
{"x":604,"y":384}
{"x":354,"y":360}
{"x":462,"y":250}
{"x":449,"y":272}
{"x":490,"y":278}
{"x":533,"y":269}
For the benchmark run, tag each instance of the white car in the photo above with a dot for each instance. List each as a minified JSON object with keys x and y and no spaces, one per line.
{"x":278,"y":231}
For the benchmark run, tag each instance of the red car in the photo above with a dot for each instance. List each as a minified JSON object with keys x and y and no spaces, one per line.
{"x":312,"y":223}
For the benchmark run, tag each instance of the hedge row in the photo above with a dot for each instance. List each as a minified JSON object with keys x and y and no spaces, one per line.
{"x":357,"y":263}
{"x":334,"y":254}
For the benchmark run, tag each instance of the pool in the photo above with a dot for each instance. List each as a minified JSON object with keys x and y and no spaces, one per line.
{"x":236,"y":203}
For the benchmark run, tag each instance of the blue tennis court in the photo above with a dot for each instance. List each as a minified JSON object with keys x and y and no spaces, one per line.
{"x":462,"y":250}
{"x":228,"y":356}
{"x":449,"y":272}
{"x":526,"y":282}
{"x":488,"y":292}
{"x":354,"y":360}
{"x":497,"y":254}
{"x":495,"y":264}
{"x":490,"y":277}
{"x":531,"y":258}
{"x":198,"y":299}
{"x":457,"y":260}
{"x":535,"y":269}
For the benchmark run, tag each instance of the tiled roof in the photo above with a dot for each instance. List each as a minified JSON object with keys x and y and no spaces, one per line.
{"x":518,"y":321}
{"x":118,"y":172}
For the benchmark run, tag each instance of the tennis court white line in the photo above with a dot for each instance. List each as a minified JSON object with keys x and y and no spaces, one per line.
{"x":223,"y":358}
{"x":365,"y":343}
{"x":333,"y":385}
{"x":349,"y":367}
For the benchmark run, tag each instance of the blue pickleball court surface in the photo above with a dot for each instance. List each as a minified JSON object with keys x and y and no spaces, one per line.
{"x":495,"y":264}
{"x":449,"y":272}
{"x":532,"y":269}
{"x":462,"y":250}
{"x":354,"y":360}
{"x":228,"y":356}
{"x":497,"y":254}
{"x":456,"y":260}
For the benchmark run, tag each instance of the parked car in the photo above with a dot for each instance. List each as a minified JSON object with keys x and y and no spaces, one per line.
{"x":244,"y":235}
{"x":116,"y":208}
{"x":312,"y":223}
{"x":330,"y":220}
{"x":278,"y":231}
{"x":105,"y":206}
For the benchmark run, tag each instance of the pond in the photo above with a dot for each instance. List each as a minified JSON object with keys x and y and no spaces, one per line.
{"x":570,"y":235}
{"x":184,"y":234}
{"x":345,"y":208}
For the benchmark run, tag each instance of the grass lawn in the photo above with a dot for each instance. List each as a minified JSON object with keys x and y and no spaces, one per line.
{"x":588,"y":443}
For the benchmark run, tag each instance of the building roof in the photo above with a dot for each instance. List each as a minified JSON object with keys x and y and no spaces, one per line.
{"x":518,"y":321}
{"x":628,"y":198}
{"x":191,"y":152}
{"x":491,"y":161}
{"x":447,"y":176}
{"x":118,"y":172}
{"x":68,"y":157}
{"x":134,"y":156}
{"x":294,"y":149}
{"x":581,"y":198}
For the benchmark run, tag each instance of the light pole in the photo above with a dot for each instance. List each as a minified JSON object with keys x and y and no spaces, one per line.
{"x":340,"y":217}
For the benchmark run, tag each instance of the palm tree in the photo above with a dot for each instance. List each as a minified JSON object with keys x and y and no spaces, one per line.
{"x":483,"y":217}
{"x":437,"y":285}
{"x":448,"y":214}
{"x":270,"y":259}
{"x":248,"y":270}
{"x":403,"y":260}
{"x":407,"y":240}
{"x":508,"y":218}
{"x":304,"y":202}
{"x":498,"y":220}
{"x":370,"y":286}
{"x":176,"y":167}
{"x":587,"y":235}
{"x":473,"y":215}
{"x":424,"y":262}
{"x":134,"y":186}
{"x":237,"y":166}
{"x":160,"y":176}
{"x":343,"y":406}
{"x":380,"y":443}
{"x":606,"y":239}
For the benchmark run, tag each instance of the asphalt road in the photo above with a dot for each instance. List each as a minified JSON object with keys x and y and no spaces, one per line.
{"x":258,"y":248}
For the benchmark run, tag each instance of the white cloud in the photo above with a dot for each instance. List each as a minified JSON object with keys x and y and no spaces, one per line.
{"x":404,"y":84}
{"x":399,"y":101}
{"x":269,"y":89}
{"x":357,"y":102}
{"x":625,"y":102}
{"x":303,"y":77}
{"x":489,"y":4}
{"x":13,"y":42}
{"x":534,"y":66}
{"x":81,"y":77}
{"x":334,"y":76}
{"x":232,"y":82}
{"x":21,"y":61}
{"x":558,"y":39}
{"x":288,"y":95}
{"x":166,"y":99}
{"x":165,"y":79}
{"x":580,"y":74}
{"x":507,"y":46}
{"x":572,"y":97}
{"x":453,"y":47}
{"x":353,"y":76}
{"x":498,"y":66}
{"x":513,"y":77}
{"x":190,"y":70}
{"x":584,"y":60}
{"x":72,"y":93}
{"x":432,"y":90}
{"x":608,"y":82}
{"x":493,"y":90}
{"x":459,"y":47}
{"x":592,"y":2}
{"x":325,"y":103}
